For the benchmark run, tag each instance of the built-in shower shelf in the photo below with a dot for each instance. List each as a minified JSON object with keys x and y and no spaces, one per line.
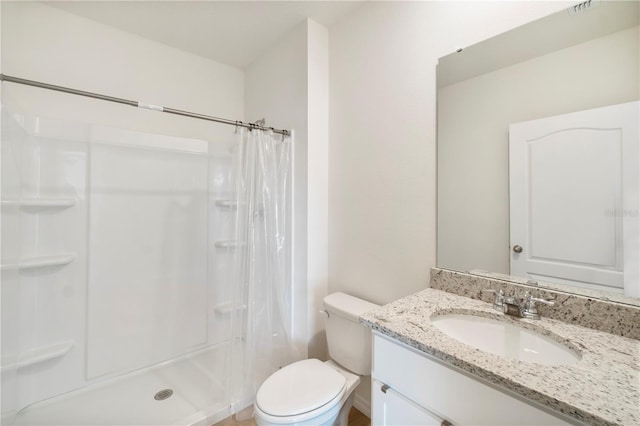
{"x":227,"y":204}
{"x":41,"y":262}
{"x":44,"y":353}
{"x":40,"y":203}
{"x":227,"y":308}
{"x":230,"y":244}
{"x":39,"y":355}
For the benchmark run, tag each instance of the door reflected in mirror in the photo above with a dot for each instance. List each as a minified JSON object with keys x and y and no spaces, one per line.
{"x":565,"y":212}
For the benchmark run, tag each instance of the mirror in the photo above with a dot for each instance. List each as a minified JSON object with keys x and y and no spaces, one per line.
{"x":492,"y":187}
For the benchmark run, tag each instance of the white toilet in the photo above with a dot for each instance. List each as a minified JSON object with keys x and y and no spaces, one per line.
{"x":312,"y":392}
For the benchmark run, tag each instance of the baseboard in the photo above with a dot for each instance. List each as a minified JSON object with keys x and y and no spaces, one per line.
{"x":362,"y":404}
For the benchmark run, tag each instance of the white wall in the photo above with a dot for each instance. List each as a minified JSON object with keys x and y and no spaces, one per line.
{"x":382,"y":214}
{"x":318,"y":184}
{"x":288,"y":85}
{"x":43,"y":43}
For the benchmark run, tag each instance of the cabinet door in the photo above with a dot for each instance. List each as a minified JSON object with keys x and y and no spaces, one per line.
{"x":391,"y":408}
{"x":463,"y":400}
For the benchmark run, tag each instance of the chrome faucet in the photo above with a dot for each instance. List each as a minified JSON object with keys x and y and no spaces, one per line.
{"x":524,"y":307}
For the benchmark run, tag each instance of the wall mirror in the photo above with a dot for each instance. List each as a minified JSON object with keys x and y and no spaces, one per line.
{"x":538,"y":153}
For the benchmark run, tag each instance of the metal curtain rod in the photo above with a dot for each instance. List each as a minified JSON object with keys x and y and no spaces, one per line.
{"x":4,"y":77}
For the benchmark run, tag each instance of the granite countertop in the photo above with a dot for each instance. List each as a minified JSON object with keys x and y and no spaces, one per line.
{"x":602,"y":388}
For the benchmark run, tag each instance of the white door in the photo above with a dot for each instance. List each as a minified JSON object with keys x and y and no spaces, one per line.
{"x":574,"y":198}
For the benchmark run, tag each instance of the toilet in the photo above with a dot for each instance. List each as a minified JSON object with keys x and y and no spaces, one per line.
{"x":312,"y":392}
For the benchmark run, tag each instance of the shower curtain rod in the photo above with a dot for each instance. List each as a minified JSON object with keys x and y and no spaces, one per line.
{"x":4,"y":77}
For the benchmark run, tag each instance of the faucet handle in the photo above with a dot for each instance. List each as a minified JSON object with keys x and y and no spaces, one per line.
{"x":531,"y":299}
{"x":549,"y":302}
{"x":530,"y":309}
{"x":498,"y":303}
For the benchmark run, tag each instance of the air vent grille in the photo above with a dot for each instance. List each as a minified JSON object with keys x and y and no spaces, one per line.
{"x":583,"y":6}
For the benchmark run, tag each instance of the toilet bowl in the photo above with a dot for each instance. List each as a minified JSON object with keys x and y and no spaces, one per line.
{"x":312,"y":392}
{"x":309,"y":392}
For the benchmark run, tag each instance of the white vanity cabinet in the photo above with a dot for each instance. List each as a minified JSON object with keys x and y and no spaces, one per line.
{"x":393,"y":408}
{"x":411,"y":388}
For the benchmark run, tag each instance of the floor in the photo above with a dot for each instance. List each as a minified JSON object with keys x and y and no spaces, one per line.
{"x":356,"y":418}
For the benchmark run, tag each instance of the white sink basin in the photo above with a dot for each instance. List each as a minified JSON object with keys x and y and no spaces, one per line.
{"x":505,"y":339}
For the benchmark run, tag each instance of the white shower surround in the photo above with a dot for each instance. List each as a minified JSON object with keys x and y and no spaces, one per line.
{"x":111,"y":262}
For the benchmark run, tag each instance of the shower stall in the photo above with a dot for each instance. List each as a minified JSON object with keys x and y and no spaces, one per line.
{"x":145,"y":276}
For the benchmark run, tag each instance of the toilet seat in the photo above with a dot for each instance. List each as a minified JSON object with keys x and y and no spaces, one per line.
{"x":302,"y":387}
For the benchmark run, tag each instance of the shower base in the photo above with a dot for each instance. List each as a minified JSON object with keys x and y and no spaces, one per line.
{"x":199,"y":397}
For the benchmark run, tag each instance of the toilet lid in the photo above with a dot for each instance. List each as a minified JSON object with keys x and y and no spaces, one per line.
{"x":299,"y":388}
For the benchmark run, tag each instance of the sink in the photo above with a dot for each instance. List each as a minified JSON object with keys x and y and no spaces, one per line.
{"x":505,"y":339}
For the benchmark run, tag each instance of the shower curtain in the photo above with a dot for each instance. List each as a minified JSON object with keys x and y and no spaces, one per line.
{"x":262,"y":263}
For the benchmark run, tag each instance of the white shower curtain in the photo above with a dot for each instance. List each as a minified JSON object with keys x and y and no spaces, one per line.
{"x":262,"y":262}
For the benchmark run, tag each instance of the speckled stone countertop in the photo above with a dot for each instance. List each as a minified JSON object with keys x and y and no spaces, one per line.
{"x":603,"y":388}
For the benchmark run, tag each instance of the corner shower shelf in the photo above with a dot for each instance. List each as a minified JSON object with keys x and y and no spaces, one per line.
{"x":230,"y":244}
{"x":226,"y":308}
{"x":227,"y":204}
{"x":40,"y":203}
{"x":40,"y":355}
{"x":41,"y":262}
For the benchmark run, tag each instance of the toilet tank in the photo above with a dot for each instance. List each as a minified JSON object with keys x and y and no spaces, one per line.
{"x":349,"y":342}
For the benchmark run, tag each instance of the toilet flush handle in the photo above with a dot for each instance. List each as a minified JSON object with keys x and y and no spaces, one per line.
{"x":324,"y":311}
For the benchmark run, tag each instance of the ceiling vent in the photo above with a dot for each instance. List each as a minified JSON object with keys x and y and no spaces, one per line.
{"x":583,"y":6}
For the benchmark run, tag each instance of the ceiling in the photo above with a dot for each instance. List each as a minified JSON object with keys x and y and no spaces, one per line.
{"x":231,"y":32}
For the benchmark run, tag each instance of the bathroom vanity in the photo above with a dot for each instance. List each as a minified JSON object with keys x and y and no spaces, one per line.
{"x":412,"y":388}
{"x":424,"y":376}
